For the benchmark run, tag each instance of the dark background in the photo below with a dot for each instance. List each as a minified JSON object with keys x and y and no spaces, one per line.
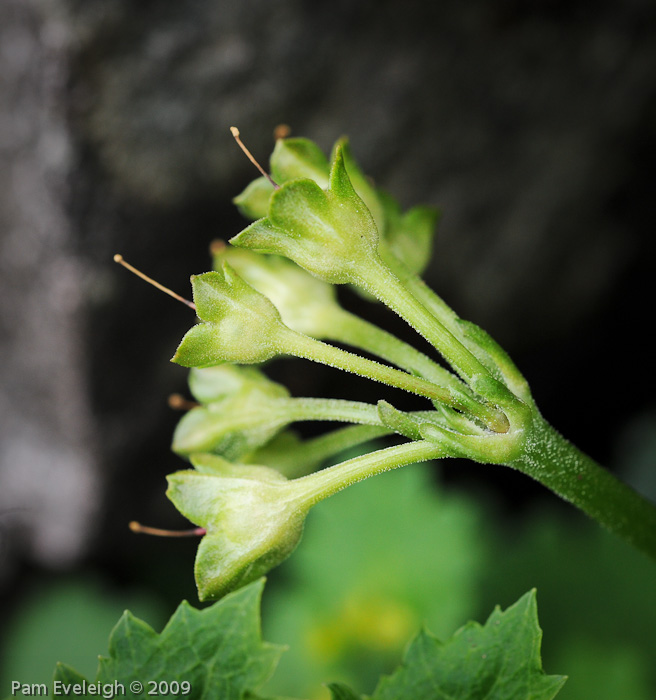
{"x":532,"y":125}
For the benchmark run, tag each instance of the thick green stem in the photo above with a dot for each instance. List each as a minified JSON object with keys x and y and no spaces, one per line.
{"x":327,"y":482}
{"x":565,"y":470}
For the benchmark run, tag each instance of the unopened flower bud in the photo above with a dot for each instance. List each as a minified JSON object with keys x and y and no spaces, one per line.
{"x":330,"y":233}
{"x":240,"y":324}
{"x":253,"y":517}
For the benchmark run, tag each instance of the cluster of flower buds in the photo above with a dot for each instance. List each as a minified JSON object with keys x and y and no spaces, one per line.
{"x":317,"y":223}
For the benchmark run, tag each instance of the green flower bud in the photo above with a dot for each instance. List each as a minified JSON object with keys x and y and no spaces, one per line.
{"x":305,"y":304}
{"x":407,"y":236}
{"x":290,"y":160}
{"x":237,"y":423}
{"x":329,"y":233}
{"x":220,"y":382}
{"x":241,"y":325}
{"x":253,"y":517}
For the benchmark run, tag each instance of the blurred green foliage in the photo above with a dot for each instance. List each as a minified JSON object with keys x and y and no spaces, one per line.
{"x":376,"y":562}
{"x":379,"y":560}
{"x":66,"y":620}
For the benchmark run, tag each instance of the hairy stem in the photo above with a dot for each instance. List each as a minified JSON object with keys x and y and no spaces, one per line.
{"x":303,"y":346}
{"x":575,"y":477}
{"x":327,"y":482}
{"x":299,"y":460}
{"x":353,"y":330}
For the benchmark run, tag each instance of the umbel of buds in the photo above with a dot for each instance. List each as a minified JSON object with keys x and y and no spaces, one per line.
{"x":319,"y":222}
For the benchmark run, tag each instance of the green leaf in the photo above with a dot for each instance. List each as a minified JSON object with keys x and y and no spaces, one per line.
{"x":497,"y":661}
{"x":218,"y":650}
{"x":61,"y":619}
{"x":377,"y":560}
{"x":67,"y":675}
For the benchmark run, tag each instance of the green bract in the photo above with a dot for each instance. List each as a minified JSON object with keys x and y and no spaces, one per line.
{"x":240,"y":325}
{"x":329,"y":233}
{"x":253,"y":517}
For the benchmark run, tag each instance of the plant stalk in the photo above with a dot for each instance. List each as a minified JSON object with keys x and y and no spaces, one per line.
{"x":561,"y":467}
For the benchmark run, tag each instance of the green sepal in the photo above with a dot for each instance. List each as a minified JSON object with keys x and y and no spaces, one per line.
{"x":244,"y":412}
{"x":253,"y":202}
{"x":241,"y":325}
{"x":291,"y":159}
{"x":328,"y":233}
{"x":297,"y":157}
{"x":409,"y":237}
{"x":277,"y":451}
{"x":218,"y":383}
{"x":362,"y":184}
{"x":305,"y":303}
{"x":398,"y":421}
{"x":253,"y":521}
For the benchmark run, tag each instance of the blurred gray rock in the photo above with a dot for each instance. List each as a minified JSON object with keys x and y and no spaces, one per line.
{"x":48,"y":472}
